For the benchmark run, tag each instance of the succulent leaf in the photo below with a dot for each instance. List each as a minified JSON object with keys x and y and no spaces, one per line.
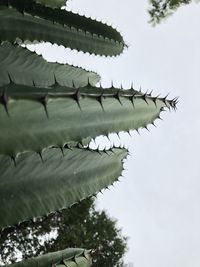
{"x":21,"y":66}
{"x":39,"y":184}
{"x":69,"y":30}
{"x":64,"y":17}
{"x":64,"y":258}
{"x":60,"y":115}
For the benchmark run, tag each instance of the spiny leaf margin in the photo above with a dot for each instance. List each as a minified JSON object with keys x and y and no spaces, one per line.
{"x":63,"y":17}
{"x":16,"y":60}
{"x":70,"y":115}
{"x":38,"y":184}
{"x":35,"y":29}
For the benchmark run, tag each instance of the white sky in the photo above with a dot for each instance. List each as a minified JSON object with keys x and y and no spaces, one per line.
{"x":158,"y":202}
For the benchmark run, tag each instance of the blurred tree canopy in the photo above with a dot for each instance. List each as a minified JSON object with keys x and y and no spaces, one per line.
{"x":161,"y":9}
{"x":80,"y":226}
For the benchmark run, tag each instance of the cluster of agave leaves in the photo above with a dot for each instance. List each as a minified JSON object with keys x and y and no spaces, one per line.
{"x":49,"y":113}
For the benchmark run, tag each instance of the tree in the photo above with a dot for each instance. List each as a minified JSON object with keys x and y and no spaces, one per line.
{"x":161,"y":9}
{"x":80,"y":226}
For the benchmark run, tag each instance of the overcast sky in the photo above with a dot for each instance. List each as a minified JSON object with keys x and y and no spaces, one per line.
{"x":157,"y":203}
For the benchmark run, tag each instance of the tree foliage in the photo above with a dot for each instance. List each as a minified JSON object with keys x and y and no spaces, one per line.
{"x":161,"y":9}
{"x":80,"y":226}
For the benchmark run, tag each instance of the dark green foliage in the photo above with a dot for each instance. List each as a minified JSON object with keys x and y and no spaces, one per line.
{"x":80,"y":226}
{"x":161,"y":9}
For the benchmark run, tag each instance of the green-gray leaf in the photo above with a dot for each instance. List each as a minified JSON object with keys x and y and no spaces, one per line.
{"x":35,"y":29}
{"x":64,"y":17}
{"x":80,"y":257}
{"x":33,"y":187}
{"x":33,"y":118}
{"x":27,"y":68}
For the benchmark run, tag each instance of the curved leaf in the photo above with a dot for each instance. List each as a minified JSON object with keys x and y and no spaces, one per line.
{"x":33,"y":118}
{"x":79,"y":257}
{"x":23,"y":67}
{"x":37,"y":29}
{"x":33,"y":187}
{"x":64,"y":17}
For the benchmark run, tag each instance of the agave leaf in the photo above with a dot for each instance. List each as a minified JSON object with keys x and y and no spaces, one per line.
{"x":81,"y":261}
{"x":33,"y":118}
{"x":81,"y":256}
{"x":39,"y":184}
{"x":20,"y":66}
{"x":71,"y":264}
{"x":64,"y":17}
{"x":35,"y":29}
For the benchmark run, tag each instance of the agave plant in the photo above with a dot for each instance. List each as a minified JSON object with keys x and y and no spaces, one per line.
{"x":50,"y":112}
